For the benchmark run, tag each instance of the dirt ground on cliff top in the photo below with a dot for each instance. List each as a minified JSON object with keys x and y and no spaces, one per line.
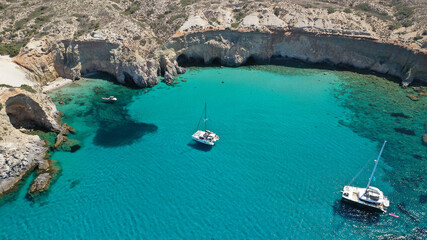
{"x":149,"y":23}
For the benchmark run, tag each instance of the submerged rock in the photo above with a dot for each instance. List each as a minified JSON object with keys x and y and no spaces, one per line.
{"x":409,"y":213}
{"x":43,"y":165}
{"x":425,"y":139}
{"x":405,"y":131}
{"x":59,"y":140}
{"x":70,"y":145}
{"x":40,"y":184}
{"x":400,"y":115}
{"x":412,"y":97}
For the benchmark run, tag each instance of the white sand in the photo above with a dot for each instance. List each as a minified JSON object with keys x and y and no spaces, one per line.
{"x":195,"y":22}
{"x":59,"y":82}
{"x":12,"y":74}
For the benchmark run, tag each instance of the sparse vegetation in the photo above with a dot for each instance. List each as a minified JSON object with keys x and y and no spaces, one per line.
{"x":369,"y":10}
{"x":187,"y":2}
{"x":132,"y":8}
{"x":416,"y":38}
{"x":173,"y":18}
{"x":348,"y":10}
{"x":136,"y":38}
{"x":2,"y":6}
{"x":12,"y":49}
{"x":407,"y":23}
{"x":28,"y":88}
{"x":331,"y":10}
{"x":403,"y":12}
{"x":239,"y":16}
{"x":235,"y":25}
{"x":394,"y":26}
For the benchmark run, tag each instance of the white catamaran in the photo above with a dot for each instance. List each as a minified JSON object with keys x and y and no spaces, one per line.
{"x":206,"y":136}
{"x":369,"y":198}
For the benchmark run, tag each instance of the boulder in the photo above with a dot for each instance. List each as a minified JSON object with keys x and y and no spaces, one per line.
{"x":40,"y":184}
{"x":412,"y":97}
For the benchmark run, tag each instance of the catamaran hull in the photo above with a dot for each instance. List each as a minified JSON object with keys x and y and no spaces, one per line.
{"x":363,"y":206}
{"x":205,"y":137}
{"x":203,"y":141}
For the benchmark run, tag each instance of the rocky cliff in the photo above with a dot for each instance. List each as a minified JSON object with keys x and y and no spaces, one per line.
{"x":48,"y":59}
{"x":19,"y":152}
{"x":72,"y":59}
{"x":234,"y":48}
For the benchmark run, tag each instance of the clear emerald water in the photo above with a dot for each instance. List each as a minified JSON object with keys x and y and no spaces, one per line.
{"x":290,"y":138}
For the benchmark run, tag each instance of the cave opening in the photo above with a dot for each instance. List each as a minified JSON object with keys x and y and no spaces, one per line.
{"x":129,"y":81}
{"x":185,"y":61}
{"x":216,"y":62}
{"x":26,"y":113}
{"x":250,"y":61}
{"x":182,"y":60}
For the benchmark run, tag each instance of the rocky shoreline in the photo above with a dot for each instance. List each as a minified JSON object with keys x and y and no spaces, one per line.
{"x":21,"y":152}
{"x":259,"y":39}
{"x":73,"y":59}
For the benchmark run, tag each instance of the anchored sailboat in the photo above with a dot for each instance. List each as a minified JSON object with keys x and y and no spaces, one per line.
{"x":369,"y":198}
{"x":206,"y":136}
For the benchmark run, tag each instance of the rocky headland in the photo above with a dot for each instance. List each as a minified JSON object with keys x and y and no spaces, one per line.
{"x":21,"y":152}
{"x":137,"y":42}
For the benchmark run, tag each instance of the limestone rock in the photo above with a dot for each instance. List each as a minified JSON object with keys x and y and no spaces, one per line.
{"x":43,"y":165}
{"x":20,"y":153}
{"x":234,"y":48}
{"x":425,"y":139}
{"x":412,"y":97}
{"x":40,"y":184}
{"x":24,"y":112}
{"x":194,"y":23}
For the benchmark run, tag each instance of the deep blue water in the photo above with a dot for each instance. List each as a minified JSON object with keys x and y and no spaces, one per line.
{"x":290,"y":138}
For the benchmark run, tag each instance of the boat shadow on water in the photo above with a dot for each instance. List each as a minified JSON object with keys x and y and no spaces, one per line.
{"x":199,"y":146}
{"x":355,"y":214}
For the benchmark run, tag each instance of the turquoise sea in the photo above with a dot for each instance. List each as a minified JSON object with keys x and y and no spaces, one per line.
{"x":290,"y":138}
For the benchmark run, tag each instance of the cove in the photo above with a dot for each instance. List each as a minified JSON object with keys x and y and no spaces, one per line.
{"x":290,"y":138}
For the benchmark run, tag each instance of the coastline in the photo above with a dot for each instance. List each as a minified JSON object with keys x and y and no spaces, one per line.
{"x":56,"y":84}
{"x":56,"y":63}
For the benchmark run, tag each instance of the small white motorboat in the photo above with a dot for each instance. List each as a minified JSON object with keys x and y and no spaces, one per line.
{"x":110,"y":99}
{"x":206,"y":136}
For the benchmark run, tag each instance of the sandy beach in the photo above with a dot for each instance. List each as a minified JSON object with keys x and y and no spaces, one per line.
{"x":59,"y":82}
{"x":12,"y":74}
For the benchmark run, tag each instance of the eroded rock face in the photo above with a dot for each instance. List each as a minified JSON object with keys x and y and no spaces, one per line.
{"x":18,"y":156}
{"x":24,"y":112}
{"x":234,"y":48}
{"x":79,"y":57}
{"x":20,"y":152}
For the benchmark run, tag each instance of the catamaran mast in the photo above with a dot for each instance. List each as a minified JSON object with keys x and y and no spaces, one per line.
{"x":205,"y":117}
{"x":375,"y":167}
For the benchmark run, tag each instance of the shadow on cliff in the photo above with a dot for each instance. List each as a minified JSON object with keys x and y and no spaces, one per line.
{"x":115,"y":134}
{"x":278,"y":60}
{"x":351,"y":213}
